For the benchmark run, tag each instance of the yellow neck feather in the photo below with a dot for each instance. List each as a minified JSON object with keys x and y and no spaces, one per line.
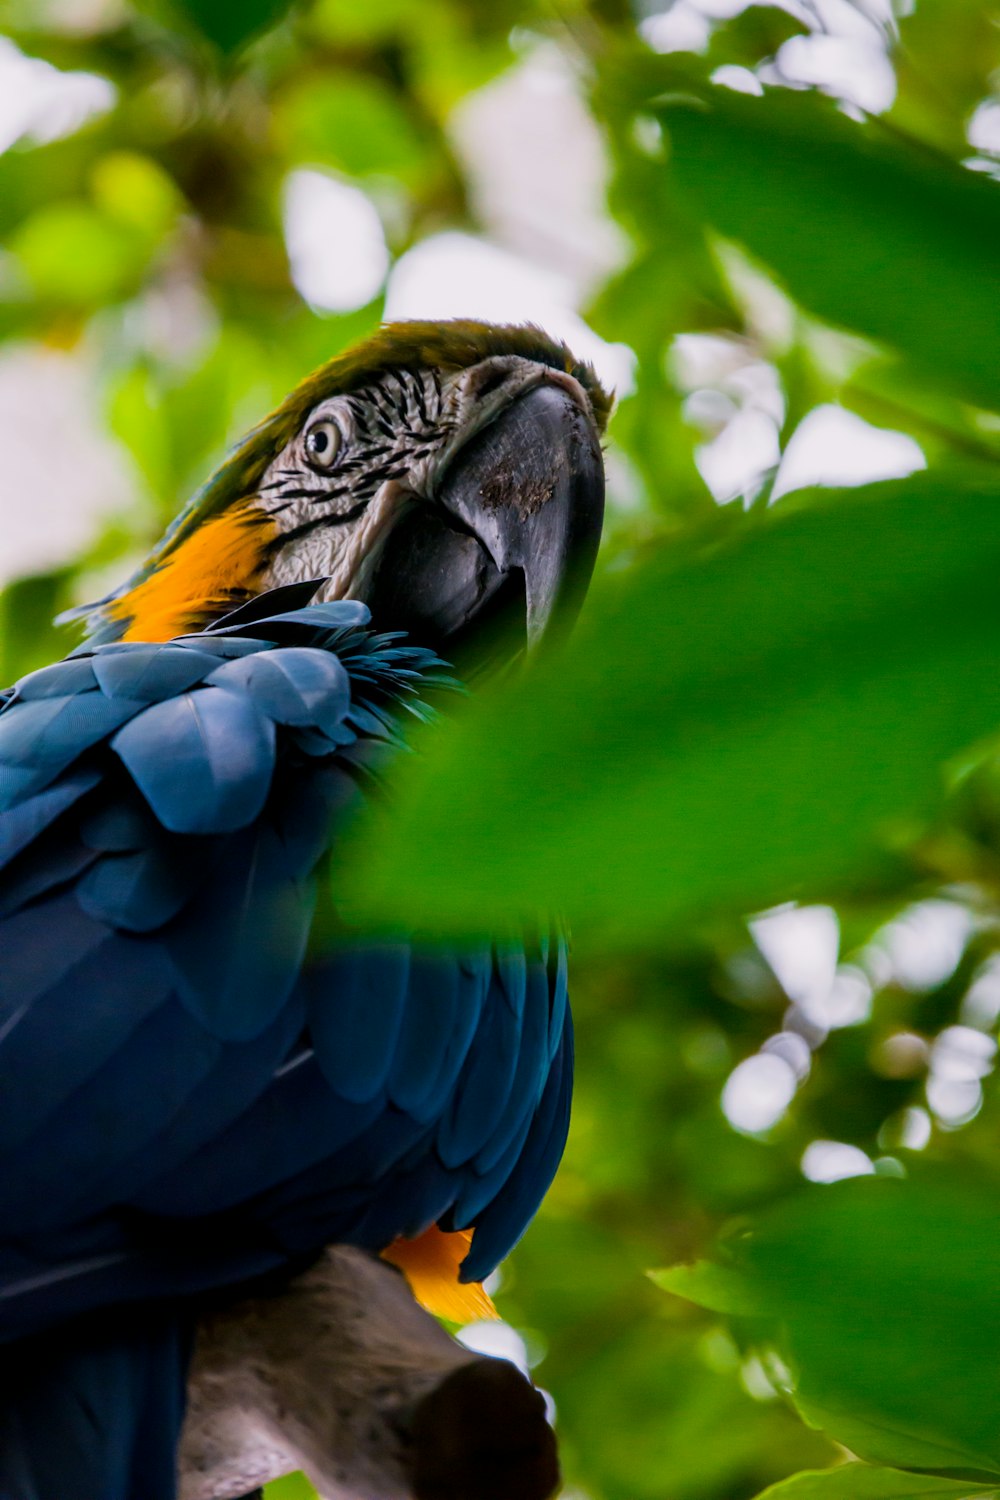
{"x":430,"y":1264}
{"x":204,"y":576}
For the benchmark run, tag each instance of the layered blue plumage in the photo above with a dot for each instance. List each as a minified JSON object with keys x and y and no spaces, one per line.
{"x":199,"y":1082}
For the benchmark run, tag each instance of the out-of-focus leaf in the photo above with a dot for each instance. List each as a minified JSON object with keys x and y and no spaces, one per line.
{"x":881,"y":1315}
{"x":73,"y":255}
{"x":862,"y":1482}
{"x":230,"y":23}
{"x":948,"y":51}
{"x":890,"y":393}
{"x":292,"y":1487}
{"x":710,"y":1285}
{"x":345,"y":20}
{"x":135,"y":191}
{"x":28,"y":638}
{"x":135,"y":416}
{"x":869,"y":231}
{"x":354,"y":123}
{"x":725,"y":731}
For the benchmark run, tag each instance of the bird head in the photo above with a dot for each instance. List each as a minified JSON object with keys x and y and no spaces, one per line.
{"x":442,"y":473}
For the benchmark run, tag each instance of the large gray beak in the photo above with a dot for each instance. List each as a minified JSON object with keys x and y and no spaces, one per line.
{"x":513,"y":531}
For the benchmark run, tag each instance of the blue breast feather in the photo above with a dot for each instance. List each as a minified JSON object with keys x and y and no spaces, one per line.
{"x":200,"y":1079}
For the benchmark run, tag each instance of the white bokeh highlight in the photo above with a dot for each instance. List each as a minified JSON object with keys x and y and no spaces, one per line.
{"x":757,"y":1092}
{"x":844,"y":51}
{"x":734,"y":463}
{"x":737,"y":399}
{"x":981,"y":1002}
{"x":854,"y":68}
{"x":800,"y":944}
{"x":955,"y":1101}
{"x":42,"y":103}
{"x":62,"y":478}
{"x":983,"y":130}
{"x":497,"y":1339}
{"x":335,"y":241}
{"x":683,"y":28}
{"x":923,"y":946}
{"x":793,"y":1049}
{"x":833,"y":1161}
{"x":833,"y":446}
{"x":915,"y":1128}
{"x":740,"y":80}
{"x":455,"y":275}
{"x":537,"y":170}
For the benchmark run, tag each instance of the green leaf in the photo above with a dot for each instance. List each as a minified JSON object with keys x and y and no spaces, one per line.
{"x":868,"y":230}
{"x":710,"y":1285}
{"x":73,"y":255}
{"x":28,"y":638}
{"x":861,"y":1482}
{"x":230,"y":23}
{"x":881,"y":1319}
{"x":354,"y":123}
{"x":730,"y":727}
{"x":292,"y":1487}
{"x":134,"y":190}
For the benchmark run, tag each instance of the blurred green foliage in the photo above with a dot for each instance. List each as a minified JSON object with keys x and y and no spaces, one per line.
{"x":855,"y":1290}
{"x":601,"y":787}
{"x":760,"y":706}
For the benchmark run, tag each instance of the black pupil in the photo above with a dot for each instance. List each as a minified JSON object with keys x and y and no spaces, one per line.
{"x":320,"y":441}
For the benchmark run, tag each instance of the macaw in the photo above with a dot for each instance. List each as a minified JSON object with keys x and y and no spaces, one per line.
{"x":205,"y":1075}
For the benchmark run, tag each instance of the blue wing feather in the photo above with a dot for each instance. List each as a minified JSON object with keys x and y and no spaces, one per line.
{"x":75,"y":675}
{"x":42,"y":736}
{"x":149,"y":674}
{"x":43,"y":865}
{"x":429,"y":1014}
{"x":299,"y":685}
{"x":118,"y":827}
{"x":201,"y":1086}
{"x":484,"y":1087}
{"x":114,"y":1399}
{"x":504,"y":1220}
{"x":89,"y":1012}
{"x":234,"y":983}
{"x":355,"y":1016}
{"x":142,"y":889}
{"x":122,"y":1108}
{"x":531,"y":1070}
{"x":203,"y":761}
{"x":25,"y":822}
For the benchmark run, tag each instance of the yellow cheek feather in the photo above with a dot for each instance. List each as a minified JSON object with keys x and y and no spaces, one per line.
{"x":430,"y":1264}
{"x":203,"y":576}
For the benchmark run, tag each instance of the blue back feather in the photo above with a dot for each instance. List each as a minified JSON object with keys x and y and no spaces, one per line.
{"x":200,"y":1083}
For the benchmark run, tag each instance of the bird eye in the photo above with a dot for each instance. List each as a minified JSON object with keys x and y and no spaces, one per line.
{"x":322,"y":444}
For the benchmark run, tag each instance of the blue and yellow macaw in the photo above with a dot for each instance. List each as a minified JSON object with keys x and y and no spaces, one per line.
{"x":200,"y":1084}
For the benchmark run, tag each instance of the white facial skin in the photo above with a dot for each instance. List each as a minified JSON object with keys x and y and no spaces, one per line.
{"x":341,"y":483}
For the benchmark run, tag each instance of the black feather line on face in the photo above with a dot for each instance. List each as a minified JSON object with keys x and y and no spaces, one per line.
{"x":283,"y":476}
{"x":390,"y":416}
{"x":278,"y":543}
{"x":302,"y":493}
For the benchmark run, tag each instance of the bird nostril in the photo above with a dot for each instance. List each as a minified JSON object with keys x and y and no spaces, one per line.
{"x":491,"y":381}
